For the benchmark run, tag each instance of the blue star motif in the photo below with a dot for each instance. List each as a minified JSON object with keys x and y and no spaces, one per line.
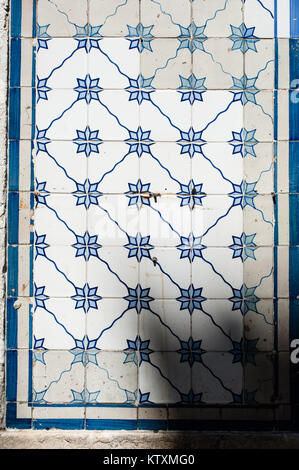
{"x":42,"y":89}
{"x":91,"y":397}
{"x":139,"y":246}
{"x":87,"y":43}
{"x":87,"y":31}
{"x":136,"y":346}
{"x":139,"y":141}
{"x":244,"y":194}
{"x":86,"y":297}
{"x":192,"y":38}
{"x":138,"y":298}
{"x":191,"y":247}
{"x":39,"y":350}
{"x":244,"y":352}
{"x":78,"y":397}
{"x":194,"y":87}
{"x":144,"y":397}
{"x":250,"y":397}
{"x":243,"y":246}
{"x":248,"y":90}
{"x":41,"y":140}
{"x":40,"y":192}
{"x":40,"y":245}
{"x":137,"y":89}
{"x":244,"y":299}
{"x":88,"y":89}
{"x":191,"y":299}
{"x":137,"y":194}
{"x":191,"y":194}
{"x":87,"y":141}
{"x":85,"y":351}
{"x":140,"y":37}
{"x":42,"y":37}
{"x":191,"y":397}
{"x":131,"y":396}
{"x":40,"y":297}
{"x":244,"y":142}
{"x":38,"y":397}
{"x":190,"y":351}
{"x":243,"y":38}
{"x":87,"y":246}
{"x":191,"y":142}
{"x":87,"y":194}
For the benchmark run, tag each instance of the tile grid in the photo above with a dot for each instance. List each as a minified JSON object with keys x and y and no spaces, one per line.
{"x":138,"y":267}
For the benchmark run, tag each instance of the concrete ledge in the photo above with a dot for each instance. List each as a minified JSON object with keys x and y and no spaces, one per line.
{"x":53,"y":439}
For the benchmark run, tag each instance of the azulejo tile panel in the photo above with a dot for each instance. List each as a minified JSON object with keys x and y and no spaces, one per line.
{"x":149,"y":214}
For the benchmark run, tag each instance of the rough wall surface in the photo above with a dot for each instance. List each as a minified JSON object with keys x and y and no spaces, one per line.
{"x":145,"y":440}
{"x":3,"y":125}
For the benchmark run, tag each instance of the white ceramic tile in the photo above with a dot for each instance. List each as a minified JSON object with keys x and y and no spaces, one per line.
{"x":114,"y":63}
{"x":57,"y":326}
{"x":217,"y":116}
{"x":112,"y":324}
{"x":163,"y":119}
{"x":59,"y":64}
{"x":60,"y":166}
{"x":261,"y":16}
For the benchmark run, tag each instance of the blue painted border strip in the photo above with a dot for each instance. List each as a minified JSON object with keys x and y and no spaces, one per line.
{"x":294,"y":18}
{"x":14,"y":113}
{"x":58,"y":423}
{"x":15,"y":17}
{"x":11,"y":365}
{"x":12,"y":272}
{"x":294,"y":167}
{"x":110,"y":424}
{"x":13,"y":162}
{"x":15,"y":70}
{"x":11,"y":324}
{"x":152,"y":424}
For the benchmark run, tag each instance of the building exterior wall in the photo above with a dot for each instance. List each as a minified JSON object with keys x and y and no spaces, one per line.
{"x":274,"y":406}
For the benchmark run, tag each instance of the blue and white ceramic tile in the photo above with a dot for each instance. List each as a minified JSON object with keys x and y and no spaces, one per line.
{"x":151,"y":144}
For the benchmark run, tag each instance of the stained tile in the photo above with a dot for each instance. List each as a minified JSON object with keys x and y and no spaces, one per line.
{"x":217,"y":17}
{"x":58,"y":377}
{"x":61,"y":18}
{"x":114,"y":17}
{"x":165,"y":62}
{"x":111,"y":377}
{"x":168,"y":19}
{"x":217,"y":63}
